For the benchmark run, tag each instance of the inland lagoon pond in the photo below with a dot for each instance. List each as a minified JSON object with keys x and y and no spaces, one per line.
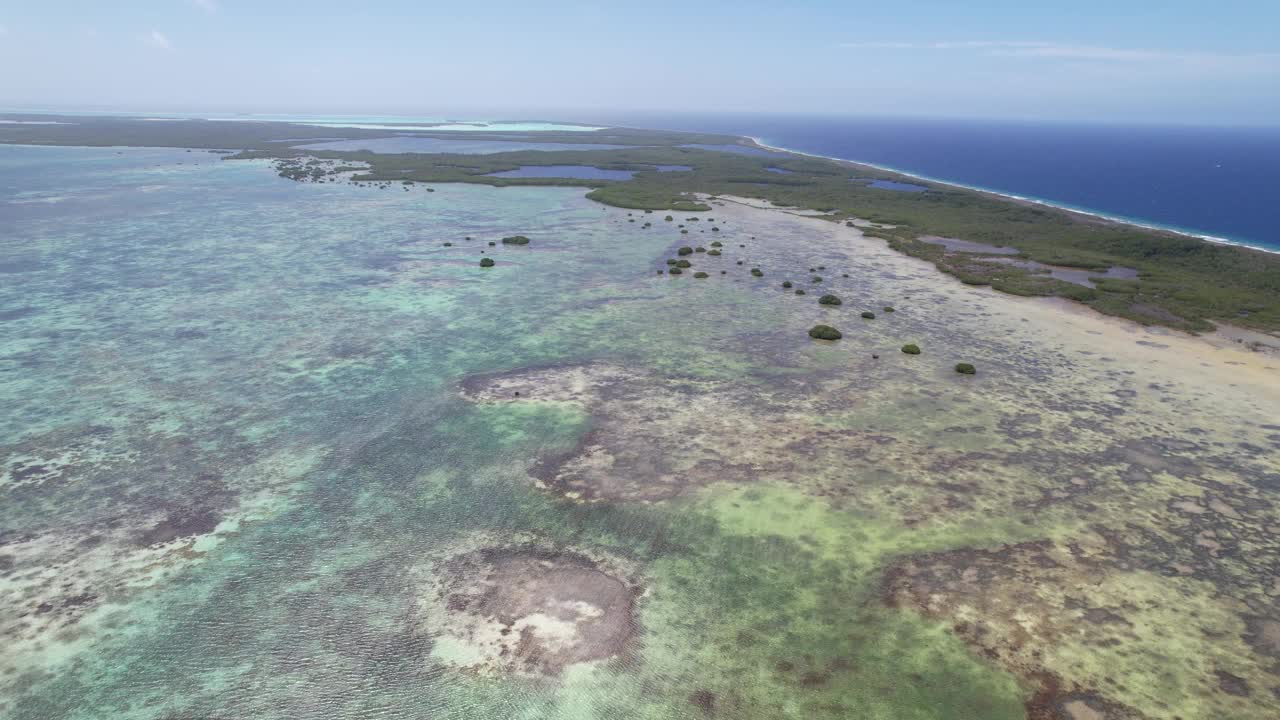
{"x":271,"y":449}
{"x":467,"y":146}
{"x":585,"y":172}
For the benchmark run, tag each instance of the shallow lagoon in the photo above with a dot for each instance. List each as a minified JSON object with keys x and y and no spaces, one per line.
{"x":898,"y":186}
{"x":261,"y":446}
{"x":585,"y":172}
{"x":393,"y":145}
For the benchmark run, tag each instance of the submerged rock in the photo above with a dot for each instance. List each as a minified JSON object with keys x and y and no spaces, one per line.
{"x":824,"y":332}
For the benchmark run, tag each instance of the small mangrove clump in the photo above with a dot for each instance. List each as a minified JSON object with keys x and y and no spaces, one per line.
{"x":832,"y":300}
{"x":713,"y":252}
{"x":700,"y":275}
{"x":817,"y":279}
{"x":448,"y":244}
{"x":757,"y":272}
{"x":668,"y":218}
{"x":824,"y":332}
{"x":888,"y":308}
{"x":911,"y":349}
{"x":683,"y":264}
{"x":486,"y":262}
{"x":868,"y":315}
{"x":786,"y":284}
{"x":492,"y":243}
{"x":800,"y":292}
{"x":515,"y":240}
{"x":675,"y":271}
{"x":716,"y":243}
{"x":966,"y":369}
{"x":686,"y":250}
{"x":699,"y":249}
{"x":672,"y":261}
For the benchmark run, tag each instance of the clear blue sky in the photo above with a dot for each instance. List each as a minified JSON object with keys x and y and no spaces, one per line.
{"x":1103,"y":60}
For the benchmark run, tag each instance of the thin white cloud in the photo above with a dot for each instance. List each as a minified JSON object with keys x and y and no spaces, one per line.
{"x":1041,"y":49}
{"x":157,"y":39}
{"x":209,"y":6}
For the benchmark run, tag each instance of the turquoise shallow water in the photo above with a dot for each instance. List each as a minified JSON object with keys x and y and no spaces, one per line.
{"x":234,"y":447}
{"x":262,"y":455}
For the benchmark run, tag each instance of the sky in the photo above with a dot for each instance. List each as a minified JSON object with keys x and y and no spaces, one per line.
{"x":1176,"y":61}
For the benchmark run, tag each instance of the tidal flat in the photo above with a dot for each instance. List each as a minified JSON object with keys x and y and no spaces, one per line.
{"x":271,"y":449}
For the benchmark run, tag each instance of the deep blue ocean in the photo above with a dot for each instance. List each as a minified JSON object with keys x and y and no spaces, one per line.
{"x":1217,"y":181}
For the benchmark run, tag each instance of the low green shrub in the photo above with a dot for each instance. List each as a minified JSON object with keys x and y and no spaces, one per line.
{"x":824,"y":332}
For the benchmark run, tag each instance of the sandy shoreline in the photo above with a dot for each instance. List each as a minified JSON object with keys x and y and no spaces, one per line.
{"x":1238,"y":347}
{"x":1081,"y":214}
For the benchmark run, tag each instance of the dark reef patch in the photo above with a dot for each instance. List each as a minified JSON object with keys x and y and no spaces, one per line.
{"x":180,"y":523}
